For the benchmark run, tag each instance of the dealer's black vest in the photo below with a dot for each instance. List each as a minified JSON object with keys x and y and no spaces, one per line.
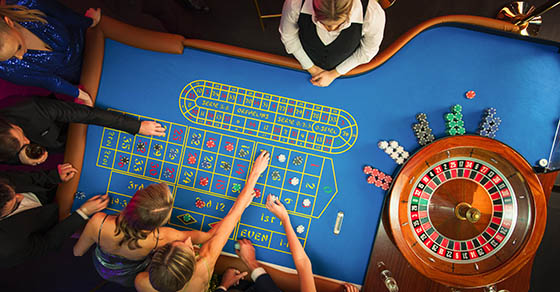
{"x":328,"y":57}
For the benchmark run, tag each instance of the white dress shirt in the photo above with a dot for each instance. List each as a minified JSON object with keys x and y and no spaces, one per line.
{"x":372,"y":32}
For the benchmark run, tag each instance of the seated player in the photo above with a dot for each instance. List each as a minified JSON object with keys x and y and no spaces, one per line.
{"x":29,"y":225}
{"x":176,"y":267}
{"x":331,"y":37}
{"x":125,"y":240}
{"x":40,"y":121}
{"x":301,"y":260}
{"x":42,"y":45}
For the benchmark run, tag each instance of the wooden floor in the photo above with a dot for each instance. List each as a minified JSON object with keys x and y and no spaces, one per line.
{"x":235,"y":22}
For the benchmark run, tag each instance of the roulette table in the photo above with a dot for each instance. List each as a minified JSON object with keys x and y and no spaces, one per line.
{"x":220,"y":110}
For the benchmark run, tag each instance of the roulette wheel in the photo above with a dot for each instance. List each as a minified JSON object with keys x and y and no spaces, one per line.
{"x":467,"y":211}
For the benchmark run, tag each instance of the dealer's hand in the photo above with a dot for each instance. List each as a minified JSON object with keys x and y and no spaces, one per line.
{"x":324,"y":78}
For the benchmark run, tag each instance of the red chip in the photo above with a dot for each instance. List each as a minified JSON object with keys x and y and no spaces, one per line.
{"x":470,"y":94}
{"x":210,"y":144}
{"x":371,"y":179}
{"x":257,"y":193}
{"x":368,"y":169}
{"x":385,"y":186}
{"x":229,"y":147}
{"x":204,"y":181}
{"x":199,"y":204}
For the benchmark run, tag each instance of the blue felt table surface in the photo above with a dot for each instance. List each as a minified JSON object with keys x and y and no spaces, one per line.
{"x":430,"y":74}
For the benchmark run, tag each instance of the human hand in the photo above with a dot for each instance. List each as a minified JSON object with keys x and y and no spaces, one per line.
{"x":95,"y":15}
{"x":95,"y":204}
{"x":231,"y":277}
{"x":24,"y":159}
{"x":246,"y":253}
{"x":350,"y":288}
{"x":66,"y":171}
{"x":151,"y":128}
{"x":314,"y":70}
{"x":84,"y":98}
{"x":261,"y":163}
{"x":324,"y":78}
{"x":273,"y":205}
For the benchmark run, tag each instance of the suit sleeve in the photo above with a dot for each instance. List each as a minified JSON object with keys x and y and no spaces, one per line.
{"x":41,"y":243}
{"x":68,"y":112}
{"x":33,"y":181}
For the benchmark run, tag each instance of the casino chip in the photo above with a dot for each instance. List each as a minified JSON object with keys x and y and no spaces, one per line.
{"x":379,"y":179}
{"x":368,"y":169}
{"x":80,"y":195}
{"x":281,"y":158}
{"x":225,"y":165}
{"x":257,"y":193}
{"x":167,"y":174}
{"x":242,"y":153}
{"x":206,"y":164}
{"x":237,"y":246}
{"x":396,"y":152}
{"x":199,"y":203}
{"x":470,"y":94}
{"x":489,"y":124}
{"x":300,"y":229}
{"x":228,"y":146}
{"x":294,"y":181}
{"x":306,"y":203}
{"x":275,"y":175}
{"x":236,"y":188}
{"x":191,"y":159}
{"x":195,"y":138}
{"x":382,"y":145}
{"x":141,"y":146}
{"x":422,"y":130}
{"x":124,"y":160}
{"x":157,"y":147}
{"x":203,"y":181}
{"x":454,"y":121}
{"x":210,"y":144}
{"x":173,"y":153}
{"x":298,"y":160}
{"x":543,"y":162}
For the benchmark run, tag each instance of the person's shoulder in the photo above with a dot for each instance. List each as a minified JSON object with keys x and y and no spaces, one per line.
{"x":374,"y":12}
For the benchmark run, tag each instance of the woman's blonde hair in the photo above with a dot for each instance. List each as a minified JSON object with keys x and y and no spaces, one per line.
{"x":171,"y":268}
{"x":18,"y":13}
{"x":332,"y":10}
{"x":147,"y":210}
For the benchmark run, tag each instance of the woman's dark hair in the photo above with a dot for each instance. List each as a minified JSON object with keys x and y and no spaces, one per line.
{"x":171,"y":268}
{"x":9,"y":145}
{"x":147,"y":210}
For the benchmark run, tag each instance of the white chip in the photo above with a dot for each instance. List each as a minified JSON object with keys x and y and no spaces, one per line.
{"x":306,"y":202}
{"x":399,"y":149}
{"x":543,"y":162}
{"x":383,"y":145}
{"x":300,"y":229}
{"x":394,"y":155}
{"x":281,"y":158}
{"x":389,"y":150}
{"x":394,"y":144}
{"x":399,"y":161}
{"x":405,"y":155}
{"x":294,"y":181}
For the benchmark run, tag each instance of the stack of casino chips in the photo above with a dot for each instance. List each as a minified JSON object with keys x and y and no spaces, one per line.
{"x":454,"y":121}
{"x":422,"y":130}
{"x":394,"y":150}
{"x":489,"y":123}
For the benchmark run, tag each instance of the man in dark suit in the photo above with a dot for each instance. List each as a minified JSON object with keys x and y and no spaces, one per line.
{"x":29,"y":225}
{"x":42,"y":120}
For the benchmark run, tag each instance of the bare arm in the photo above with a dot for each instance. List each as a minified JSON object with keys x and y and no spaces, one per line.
{"x":301,"y":260}
{"x":212,"y":249}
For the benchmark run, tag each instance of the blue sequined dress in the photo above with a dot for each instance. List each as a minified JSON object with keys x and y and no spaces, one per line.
{"x":57,"y":70}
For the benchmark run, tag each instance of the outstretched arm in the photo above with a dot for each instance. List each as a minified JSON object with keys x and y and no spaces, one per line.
{"x":301,"y":260}
{"x":212,"y":249}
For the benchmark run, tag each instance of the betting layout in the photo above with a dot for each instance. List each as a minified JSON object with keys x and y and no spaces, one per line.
{"x":206,"y":171}
{"x":472,"y":244}
{"x":280,"y":119}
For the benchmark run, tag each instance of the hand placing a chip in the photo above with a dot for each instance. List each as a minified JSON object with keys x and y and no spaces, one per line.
{"x":151,"y":128}
{"x":273,"y":205}
{"x":66,"y":172}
